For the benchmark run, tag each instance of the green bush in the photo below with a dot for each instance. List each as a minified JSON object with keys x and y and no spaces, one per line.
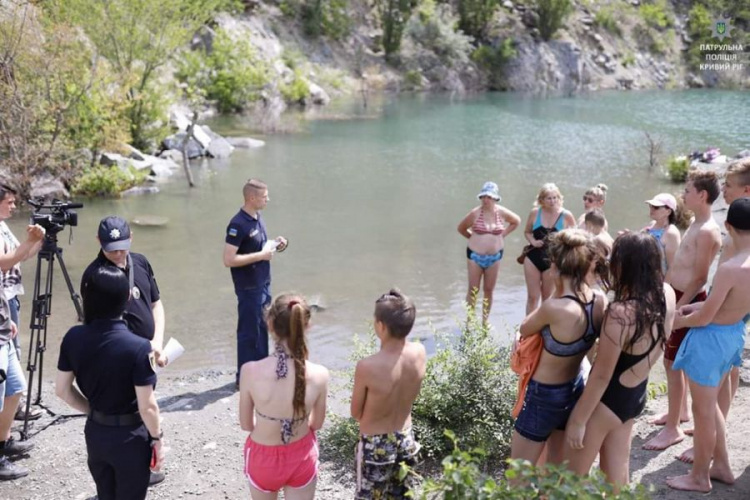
{"x":552,"y":14}
{"x":493,"y":61}
{"x":475,"y":15}
{"x":677,"y":169}
{"x":103,"y":180}
{"x":606,"y":18}
{"x":297,"y":90}
{"x":232,"y":75}
{"x":394,"y":14}
{"x":628,"y":59}
{"x":462,"y":479}
{"x":432,"y":29}
{"x":413,"y":79}
{"x":329,"y":18}
{"x":468,"y":388}
{"x":656,"y":14}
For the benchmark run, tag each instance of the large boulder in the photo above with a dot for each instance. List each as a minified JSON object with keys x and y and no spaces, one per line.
{"x":220,"y":148}
{"x":317,"y":94}
{"x":48,"y":187}
{"x":194,"y":148}
{"x":245,"y":142}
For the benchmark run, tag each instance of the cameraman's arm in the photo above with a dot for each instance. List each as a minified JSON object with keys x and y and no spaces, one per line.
{"x":34,"y":237}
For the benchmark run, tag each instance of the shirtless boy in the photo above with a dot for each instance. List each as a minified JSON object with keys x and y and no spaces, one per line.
{"x":712,"y":346}
{"x":688,"y":275}
{"x":385,"y":387}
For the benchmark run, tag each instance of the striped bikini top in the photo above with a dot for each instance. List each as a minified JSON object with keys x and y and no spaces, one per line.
{"x":480,"y":227}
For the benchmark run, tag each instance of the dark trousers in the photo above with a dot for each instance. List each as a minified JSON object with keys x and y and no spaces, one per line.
{"x":119,"y":459}
{"x":252,"y":330}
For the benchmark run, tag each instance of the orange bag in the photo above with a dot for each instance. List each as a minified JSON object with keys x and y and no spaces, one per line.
{"x":524,"y":362}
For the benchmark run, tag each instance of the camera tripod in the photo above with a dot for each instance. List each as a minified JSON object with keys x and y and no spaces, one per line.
{"x":41,"y":309}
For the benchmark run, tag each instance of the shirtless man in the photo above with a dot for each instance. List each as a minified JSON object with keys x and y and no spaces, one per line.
{"x":736,"y":185}
{"x":688,"y":275}
{"x":385,"y":387}
{"x":713,"y":345}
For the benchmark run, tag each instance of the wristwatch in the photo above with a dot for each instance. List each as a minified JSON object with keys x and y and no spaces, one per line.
{"x":161,"y":435}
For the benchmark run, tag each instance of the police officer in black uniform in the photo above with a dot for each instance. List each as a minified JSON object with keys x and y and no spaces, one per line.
{"x":144,"y":312}
{"x":114,"y":371}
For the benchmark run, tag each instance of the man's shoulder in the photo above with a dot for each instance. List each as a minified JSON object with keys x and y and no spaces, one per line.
{"x":139,"y":258}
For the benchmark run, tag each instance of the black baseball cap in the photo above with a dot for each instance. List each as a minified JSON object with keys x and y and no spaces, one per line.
{"x":114,"y":234}
{"x":739,"y":214}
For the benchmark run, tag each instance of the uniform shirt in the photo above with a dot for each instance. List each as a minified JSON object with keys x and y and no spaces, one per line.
{"x":108,"y":361}
{"x":138,"y":314}
{"x":248,"y":234}
{"x":11,"y":278}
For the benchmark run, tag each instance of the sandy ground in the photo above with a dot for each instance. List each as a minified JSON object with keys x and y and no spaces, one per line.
{"x":204,"y":444}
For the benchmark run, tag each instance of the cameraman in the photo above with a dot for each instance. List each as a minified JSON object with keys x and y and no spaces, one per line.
{"x":144,"y":312}
{"x":12,"y":253}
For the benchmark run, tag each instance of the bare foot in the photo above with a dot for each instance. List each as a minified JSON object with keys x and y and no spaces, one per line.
{"x":666,"y":438}
{"x":662,"y":419}
{"x":688,"y":483}
{"x":723,"y":474}
{"x":687,"y":456}
{"x":689,"y":432}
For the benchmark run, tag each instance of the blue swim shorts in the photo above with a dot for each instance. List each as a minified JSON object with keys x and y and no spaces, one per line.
{"x":709,"y":352}
{"x":546,"y":408}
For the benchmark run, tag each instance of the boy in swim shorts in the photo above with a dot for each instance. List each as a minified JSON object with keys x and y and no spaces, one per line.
{"x":688,"y":275}
{"x":712,"y":346}
{"x":385,"y":387}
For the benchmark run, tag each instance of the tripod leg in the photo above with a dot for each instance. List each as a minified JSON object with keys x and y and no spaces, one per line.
{"x":37,"y":323}
{"x":73,"y":295}
{"x":42,"y":338}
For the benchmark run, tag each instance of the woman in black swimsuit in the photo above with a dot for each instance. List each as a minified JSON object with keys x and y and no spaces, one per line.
{"x":631,"y":342}
{"x":547,"y":217}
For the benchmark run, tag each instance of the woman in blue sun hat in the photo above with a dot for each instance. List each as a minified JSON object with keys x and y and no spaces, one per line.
{"x":486,"y":227}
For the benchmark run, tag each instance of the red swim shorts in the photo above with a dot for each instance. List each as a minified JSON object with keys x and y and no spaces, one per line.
{"x":270,"y":468}
{"x":677,"y":336}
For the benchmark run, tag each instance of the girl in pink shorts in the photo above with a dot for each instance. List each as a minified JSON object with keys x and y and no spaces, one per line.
{"x":282,"y":404}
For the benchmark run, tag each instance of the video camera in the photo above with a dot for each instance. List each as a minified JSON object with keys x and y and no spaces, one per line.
{"x":53,"y":217}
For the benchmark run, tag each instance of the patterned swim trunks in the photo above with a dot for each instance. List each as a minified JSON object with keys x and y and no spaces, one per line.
{"x":378,"y":463}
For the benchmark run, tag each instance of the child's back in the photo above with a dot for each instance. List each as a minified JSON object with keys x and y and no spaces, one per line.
{"x":393,"y":379}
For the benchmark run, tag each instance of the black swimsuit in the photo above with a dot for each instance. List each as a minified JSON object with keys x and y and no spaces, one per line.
{"x":627,"y":402}
{"x":538,"y":256}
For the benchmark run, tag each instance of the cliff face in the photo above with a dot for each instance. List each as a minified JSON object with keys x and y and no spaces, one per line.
{"x":612,"y":45}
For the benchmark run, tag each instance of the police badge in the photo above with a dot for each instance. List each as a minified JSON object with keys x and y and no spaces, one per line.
{"x":136,"y":293}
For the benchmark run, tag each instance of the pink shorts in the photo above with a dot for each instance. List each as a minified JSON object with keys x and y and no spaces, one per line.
{"x":270,"y":468}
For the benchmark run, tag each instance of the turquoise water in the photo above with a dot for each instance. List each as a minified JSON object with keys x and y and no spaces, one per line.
{"x":371,"y":203}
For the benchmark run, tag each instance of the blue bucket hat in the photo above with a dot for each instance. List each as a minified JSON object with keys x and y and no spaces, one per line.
{"x":490,"y":189}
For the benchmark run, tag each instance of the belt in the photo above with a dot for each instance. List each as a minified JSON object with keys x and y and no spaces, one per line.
{"x":115,"y":420}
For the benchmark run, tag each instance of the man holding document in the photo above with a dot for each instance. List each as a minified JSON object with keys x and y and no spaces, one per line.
{"x":144,"y":312}
{"x":248,"y":253}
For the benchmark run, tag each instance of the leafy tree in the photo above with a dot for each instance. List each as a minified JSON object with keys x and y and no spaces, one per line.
{"x":138,"y":37}
{"x":393,"y":15}
{"x":475,"y":15}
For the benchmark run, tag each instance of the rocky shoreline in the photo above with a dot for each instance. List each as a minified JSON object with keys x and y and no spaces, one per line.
{"x":204,"y":448}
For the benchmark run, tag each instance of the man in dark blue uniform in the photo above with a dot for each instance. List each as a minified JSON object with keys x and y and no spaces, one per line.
{"x":113,"y":370}
{"x":248,"y":253}
{"x":144,"y":312}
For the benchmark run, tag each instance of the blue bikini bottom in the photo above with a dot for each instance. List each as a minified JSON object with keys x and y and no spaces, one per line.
{"x":484,"y":261}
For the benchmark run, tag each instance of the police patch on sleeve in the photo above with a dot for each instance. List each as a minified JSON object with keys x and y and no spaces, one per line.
{"x":232,"y":232}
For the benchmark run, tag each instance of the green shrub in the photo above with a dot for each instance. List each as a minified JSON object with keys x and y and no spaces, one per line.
{"x":606,"y":18}
{"x":394,"y":14}
{"x":493,"y":60}
{"x":232,"y":75}
{"x":413,"y":79}
{"x":656,"y":14}
{"x":432,"y":29}
{"x":475,"y":15}
{"x":103,"y":180}
{"x":297,"y":90}
{"x":552,"y":14}
{"x":463,"y":479}
{"x":677,"y":169}
{"x":329,"y":18}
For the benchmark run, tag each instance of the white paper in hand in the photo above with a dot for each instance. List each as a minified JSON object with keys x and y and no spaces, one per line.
{"x":173,"y":350}
{"x":271,"y":245}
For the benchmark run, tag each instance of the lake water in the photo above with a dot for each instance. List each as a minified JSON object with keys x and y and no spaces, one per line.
{"x":374,"y":202}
